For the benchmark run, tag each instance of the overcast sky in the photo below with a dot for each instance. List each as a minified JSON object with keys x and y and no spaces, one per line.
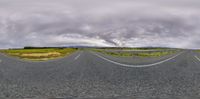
{"x":130,"y":23}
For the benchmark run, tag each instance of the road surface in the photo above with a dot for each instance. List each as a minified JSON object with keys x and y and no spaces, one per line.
{"x":86,"y":75}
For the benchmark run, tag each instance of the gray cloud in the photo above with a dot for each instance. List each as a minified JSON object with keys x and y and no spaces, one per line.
{"x":132,"y":23}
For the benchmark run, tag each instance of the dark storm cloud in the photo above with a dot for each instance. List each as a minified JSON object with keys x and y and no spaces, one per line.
{"x":165,"y":23}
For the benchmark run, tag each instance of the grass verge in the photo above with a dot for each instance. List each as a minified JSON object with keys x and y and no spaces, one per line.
{"x":139,"y":54}
{"x":39,"y":54}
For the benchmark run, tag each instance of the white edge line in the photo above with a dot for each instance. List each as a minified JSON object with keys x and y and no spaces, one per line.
{"x":77,"y":56}
{"x":148,"y":65}
{"x":0,"y":60}
{"x":197,"y":58}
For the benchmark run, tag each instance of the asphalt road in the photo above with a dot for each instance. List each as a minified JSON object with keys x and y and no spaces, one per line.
{"x":85,"y":75}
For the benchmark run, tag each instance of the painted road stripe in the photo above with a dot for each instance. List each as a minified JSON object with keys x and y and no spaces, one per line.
{"x":197,"y":58}
{"x":0,"y":61}
{"x":77,"y":56}
{"x":128,"y":65}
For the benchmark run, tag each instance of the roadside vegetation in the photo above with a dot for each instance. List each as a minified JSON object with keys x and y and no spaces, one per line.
{"x":136,"y":48}
{"x":197,"y":50}
{"x":39,"y":54}
{"x":139,"y":54}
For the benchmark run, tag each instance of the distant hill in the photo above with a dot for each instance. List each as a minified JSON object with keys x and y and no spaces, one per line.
{"x":142,"y":48}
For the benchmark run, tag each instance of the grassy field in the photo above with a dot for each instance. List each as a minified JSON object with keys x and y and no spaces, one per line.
{"x":140,"y":54}
{"x":39,"y":54}
{"x":198,"y":50}
{"x":129,"y":48}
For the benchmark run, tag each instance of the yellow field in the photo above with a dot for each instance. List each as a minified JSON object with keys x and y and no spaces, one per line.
{"x":39,"y":54}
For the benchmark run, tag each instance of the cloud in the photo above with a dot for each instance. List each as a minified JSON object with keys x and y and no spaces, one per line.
{"x":132,"y":23}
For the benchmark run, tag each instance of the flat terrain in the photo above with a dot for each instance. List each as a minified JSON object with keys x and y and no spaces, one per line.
{"x":90,"y":75}
{"x":137,"y":52}
{"x":39,"y":54}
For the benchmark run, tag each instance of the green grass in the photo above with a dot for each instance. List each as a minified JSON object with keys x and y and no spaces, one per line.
{"x":198,"y":50}
{"x":154,"y":54}
{"x":39,"y":54}
{"x":136,"y":48}
{"x":140,"y":54}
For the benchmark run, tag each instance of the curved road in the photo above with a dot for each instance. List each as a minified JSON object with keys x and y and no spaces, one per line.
{"x":85,"y":75}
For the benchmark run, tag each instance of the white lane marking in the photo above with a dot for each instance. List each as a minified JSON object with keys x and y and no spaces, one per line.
{"x":197,"y":58}
{"x":0,"y":61}
{"x":77,"y":56}
{"x":128,"y":65}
